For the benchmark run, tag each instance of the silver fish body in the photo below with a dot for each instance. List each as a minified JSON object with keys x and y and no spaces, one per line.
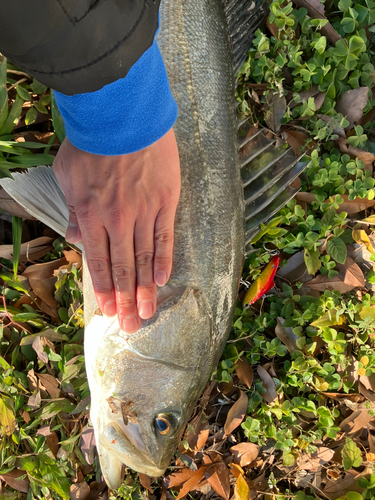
{"x":163,"y":368}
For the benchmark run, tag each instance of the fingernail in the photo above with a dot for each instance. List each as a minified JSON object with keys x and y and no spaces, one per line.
{"x":161,"y":278}
{"x":109,"y":308}
{"x":130,"y":324}
{"x":72,"y":233}
{"x":145,"y":309}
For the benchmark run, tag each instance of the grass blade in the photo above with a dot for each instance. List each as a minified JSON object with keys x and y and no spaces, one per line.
{"x":17,"y":237}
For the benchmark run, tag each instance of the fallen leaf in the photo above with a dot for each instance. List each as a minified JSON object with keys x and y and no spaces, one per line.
{"x":275,"y":111}
{"x":26,"y":416}
{"x":178,"y":478}
{"x":87,"y":444}
{"x":73,"y":257}
{"x":79,"y":491}
{"x":34,"y":401}
{"x":350,"y":276}
{"x":45,"y":289}
{"x":236,"y":414}
{"x":32,"y":250}
{"x":315,"y":461}
{"x":336,"y":489}
{"x":357,"y":420}
{"x":346,"y":148}
{"x":286,"y":335}
{"x":12,"y":480}
{"x":218,"y":477}
{"x":369,"y":394}
{"x":270,"y":395}
{"x":52,"y":441}
{"x":50,"y":384}
{"x":304,"y":95}
{"x":45,"y":270}
{"x":328,"y":30}
{"x":244,"y":453}
{"x":351,"y":104}
{"x":296,"y":140}
{"x":45,"y":430}
{"x":48,"y":334}
{"x":38,"y":348}
{"x":244,"y":371}
{"x":202,"y":438}
{"x":192,"y":482}
{"x":145,"y":481}
{"x":241,"y":489}
{"x":236,"y":470}
{"x":355,"y":206}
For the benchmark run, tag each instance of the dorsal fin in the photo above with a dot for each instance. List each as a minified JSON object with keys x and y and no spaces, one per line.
{"x":243,"y":17}
{"x":39,"y":193}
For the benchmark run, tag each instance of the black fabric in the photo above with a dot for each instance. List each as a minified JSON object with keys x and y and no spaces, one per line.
{"x":77,"y":46}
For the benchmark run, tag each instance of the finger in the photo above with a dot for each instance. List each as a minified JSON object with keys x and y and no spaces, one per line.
{"x":144,"y":264}
{"x":73,"y":233}
{"x":124,"y":279}
{"x":95,"y":242}
{"x":163,"y":245}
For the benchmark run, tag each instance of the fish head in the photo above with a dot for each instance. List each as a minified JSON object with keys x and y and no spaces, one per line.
{"x":146,"y":384}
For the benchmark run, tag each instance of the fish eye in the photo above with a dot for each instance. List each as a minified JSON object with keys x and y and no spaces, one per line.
{"x":163,"y":423}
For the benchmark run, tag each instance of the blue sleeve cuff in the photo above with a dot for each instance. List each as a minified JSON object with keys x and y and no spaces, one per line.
{"x":124,"y":116}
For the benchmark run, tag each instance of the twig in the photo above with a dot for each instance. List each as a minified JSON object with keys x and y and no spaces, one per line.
{"x":17,"y":83}
{"x":21,"y":73}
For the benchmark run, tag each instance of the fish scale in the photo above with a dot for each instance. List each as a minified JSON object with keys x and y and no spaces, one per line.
{"x":144,"y":386}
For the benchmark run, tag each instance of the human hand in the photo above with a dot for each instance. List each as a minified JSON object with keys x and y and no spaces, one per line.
{"x":123,"y":209}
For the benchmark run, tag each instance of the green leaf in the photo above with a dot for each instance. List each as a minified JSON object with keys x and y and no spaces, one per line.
{"x":17,"y":236}
{"x":312,"y":261}
{"x":57,"y":121}
{"x":38,"y":87}
{"x":7,"y":417}
{"x":336,"y":249}
{"x":13,"y":116}
{"x":23,"y":93}
{"x":344,"y":5}
{"x":31,"y":116}
{"x":40,"y":107}
{"x":351,"y":455}
{"x":3,"y":93}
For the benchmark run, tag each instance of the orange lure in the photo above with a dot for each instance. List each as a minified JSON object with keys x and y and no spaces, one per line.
{"x":263,"y":283}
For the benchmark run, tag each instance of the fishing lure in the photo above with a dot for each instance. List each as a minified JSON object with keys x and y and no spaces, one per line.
{"x":263,"y":283}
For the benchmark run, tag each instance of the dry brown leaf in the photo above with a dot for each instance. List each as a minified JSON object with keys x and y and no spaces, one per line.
{"x":241,"y":489}
{"x":275,"y":31}
{"x":275,"y":111}
{"x":244,"y":371}
{"x":296,"y":140}
{"x":178,"y":478}
{"x":192,"y":482}
{"x":52,"y":441}
{"x":26,"y":416}
{"x":79,"y":491}
{"x":34,"y":401}
{"x":244,"y":453}
{"x":202,"y":438}
{"x":45,"y":430}
{"x":355,"y":206}
{"x":351,"y":104}
{"x":286,"y":335}
{"x":270,"y":395}
{"x":350,"y":276}
{"x":32,"y":250}
{"x":319,"y":99}
{"x":218,"y":477}
{"x":236,"y":470}
{"x":45,"y":270}
{"x":145,"y":481}
{"x":45,"y":289}
{"x":328,"y":30}
{"x":12,"y":480}
{"x":357,"y":420}
{"x":50,"y":384}
{"x":304,"y":95}
{"x":336,"y":489}
{"x":369,"y":394}
{"x":295,"y":268}
{"x":73,"y":257}
{"x":38,"y":348}
{"x":236,"y":414}
{"x":87,"y":445}
{"x":345,"y":148}
{"x":316,"y":460}
{"x":338,"y":129}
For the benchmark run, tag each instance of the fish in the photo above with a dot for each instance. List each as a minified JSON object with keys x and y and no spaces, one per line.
{"x":263,"y":284}
{"x":144,"y":386}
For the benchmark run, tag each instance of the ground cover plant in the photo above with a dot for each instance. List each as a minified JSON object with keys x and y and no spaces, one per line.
{"x":290,"y":411}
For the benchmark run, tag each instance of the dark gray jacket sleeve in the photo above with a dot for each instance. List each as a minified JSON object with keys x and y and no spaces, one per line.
{"x":77,"y":46}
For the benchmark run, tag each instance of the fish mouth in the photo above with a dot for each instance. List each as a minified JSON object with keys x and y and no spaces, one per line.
{"x":123,"y":444}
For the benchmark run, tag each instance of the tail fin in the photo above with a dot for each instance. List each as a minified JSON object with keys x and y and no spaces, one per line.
{"x":40,"y":195}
